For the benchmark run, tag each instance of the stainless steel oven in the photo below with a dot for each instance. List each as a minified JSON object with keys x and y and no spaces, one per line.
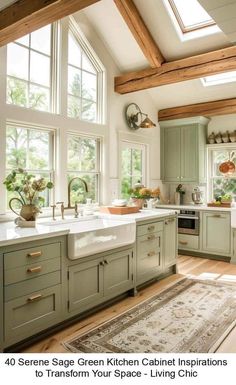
{"x":188,"y":222}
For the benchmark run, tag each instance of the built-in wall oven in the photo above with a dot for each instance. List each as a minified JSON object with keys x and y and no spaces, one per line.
{"x":188,"y":222}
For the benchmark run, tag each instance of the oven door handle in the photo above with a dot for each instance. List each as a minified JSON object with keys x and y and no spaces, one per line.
{"x":186,"y":217}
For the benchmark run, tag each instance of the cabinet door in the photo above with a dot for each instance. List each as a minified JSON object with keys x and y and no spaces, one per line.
{"x":189,"y":154}
{"x":118,"y":272}
{"x":27,"y":315}
{"x":149,"y":256}
{"x":85,"y":284}
{"x":216,"y":233}
{"x":170,"y":242}
{"x":171,"y":158}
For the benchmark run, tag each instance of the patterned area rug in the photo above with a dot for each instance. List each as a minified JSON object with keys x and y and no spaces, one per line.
{"x":191,"y":316}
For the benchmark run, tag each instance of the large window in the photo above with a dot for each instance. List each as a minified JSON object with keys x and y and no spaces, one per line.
{"x":83,"y":163}
{"x":218,"y":183}
{"x":133,"y":157}
{"x":29,"y":70}
{"x":190,"y":15}
{"x":31,"y":149}
{"x":82,"y":83}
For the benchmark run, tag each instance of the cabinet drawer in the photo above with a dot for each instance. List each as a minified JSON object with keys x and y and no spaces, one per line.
{"x":186,"y":241}
{"x":148,"y":244}
{"x":28,"y":315}
{"x":149,"y":228}
{"x":33,"y":270}
{"x":31,"y":255}
{"x":31,"y":285}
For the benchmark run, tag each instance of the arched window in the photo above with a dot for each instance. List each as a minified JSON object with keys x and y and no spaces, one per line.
{"x":85,"y":79}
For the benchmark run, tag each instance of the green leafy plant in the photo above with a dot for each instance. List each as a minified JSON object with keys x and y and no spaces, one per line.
{"x":27,"y":186}
{"x":180,"y":189}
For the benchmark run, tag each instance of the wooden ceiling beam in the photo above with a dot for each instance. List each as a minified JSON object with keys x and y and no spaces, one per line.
{"x":208,"y":109}
{"x":26,"y":16}
{"x":140,"y":32}
{"x":194,"y":67}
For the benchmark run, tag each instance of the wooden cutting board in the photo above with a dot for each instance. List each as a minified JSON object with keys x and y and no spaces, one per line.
{"x":226,"y":205}
{"x":119,"y":210}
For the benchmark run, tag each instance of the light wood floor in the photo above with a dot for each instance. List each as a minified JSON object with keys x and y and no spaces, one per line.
{"x":193,"y":266}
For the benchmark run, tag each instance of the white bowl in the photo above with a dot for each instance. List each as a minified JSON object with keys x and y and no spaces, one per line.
{"x":119,"y":202}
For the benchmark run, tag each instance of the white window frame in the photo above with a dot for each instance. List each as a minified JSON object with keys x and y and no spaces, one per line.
{"x":97,"y":171}
{"x":85,"y":46}
{"x":135,"y":146}
{"x":51,"y":170}
{"x":217,"y":147}
{"x":54,"y":70}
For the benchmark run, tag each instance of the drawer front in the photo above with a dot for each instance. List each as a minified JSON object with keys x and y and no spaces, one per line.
{"x":29,"y":286}
{"x":149,"y":228}
{"x":189,"y":242}
{"x":147,"y":244}
{"x":31,"y":255}
{"x":28,"y":315}
{"x":33,"y":270}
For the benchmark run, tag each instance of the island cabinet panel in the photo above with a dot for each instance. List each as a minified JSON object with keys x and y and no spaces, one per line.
{"x":149,"y":256}
{"x":118,"y":273}
{"x":85,"y":284}
{"x":93,"y":281}
{"x":170,"y":242}
{"x":32,"y":288}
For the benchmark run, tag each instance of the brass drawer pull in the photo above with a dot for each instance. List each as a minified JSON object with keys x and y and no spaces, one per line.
{"x":35,"y":254}
{"x":150,"y":228}
{"x":169,"y":221}
{"x":34,"y":269}
{"x":183,"y":242}
{"x":34,"y":298}
{"x":151,"y":253}
{"x":101,"y":263}
{"x":216,"y":216}
{"x":151,"y":237}
{"x":106,"y":262}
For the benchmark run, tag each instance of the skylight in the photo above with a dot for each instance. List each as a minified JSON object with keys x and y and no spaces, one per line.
{"x":190,"y":15}
{"x":213,"y":80}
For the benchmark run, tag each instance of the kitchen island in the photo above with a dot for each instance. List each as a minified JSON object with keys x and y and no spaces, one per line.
{"x":42,"y":288}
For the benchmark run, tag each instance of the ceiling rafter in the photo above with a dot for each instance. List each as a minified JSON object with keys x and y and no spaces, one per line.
{"x":193,"y":67}
{"x":140,"y":32}
{"x":217,"y":107}
{"x":25,"y":16}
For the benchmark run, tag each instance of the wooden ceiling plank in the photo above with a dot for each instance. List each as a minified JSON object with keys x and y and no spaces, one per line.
{"x":26,"y":16}
{"x":194,"y":67}
{"x":143,"y":37}
{"x":208,"y":109}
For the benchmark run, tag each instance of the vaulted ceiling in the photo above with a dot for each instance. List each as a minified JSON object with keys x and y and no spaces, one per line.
{"x":107,"y":18}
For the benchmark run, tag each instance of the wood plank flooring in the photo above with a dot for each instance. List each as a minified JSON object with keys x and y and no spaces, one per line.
{"x":190,"y":266}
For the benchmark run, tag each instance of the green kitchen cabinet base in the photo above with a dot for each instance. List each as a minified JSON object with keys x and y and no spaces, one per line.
{"x":98,"y":279}
{"x":216,"y":233}
{"x":24,"y":317}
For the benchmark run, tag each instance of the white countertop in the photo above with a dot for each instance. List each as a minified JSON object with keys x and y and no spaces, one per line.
{"x":11,"y":234}
{"x":195,"y":207}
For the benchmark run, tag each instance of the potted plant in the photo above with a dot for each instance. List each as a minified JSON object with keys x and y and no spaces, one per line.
{"x":140,"y":193}
{"x":28,"y":187}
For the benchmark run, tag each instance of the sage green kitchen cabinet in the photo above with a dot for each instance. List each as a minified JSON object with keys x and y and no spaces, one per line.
{"x":94,"y":280}
{"x":216,"y":233}
{"x":233,"y":259}
{"x":31,"y":293}
{"x":170,"y":242}
{"x":183,"y":158}
{"x":149,"y":251}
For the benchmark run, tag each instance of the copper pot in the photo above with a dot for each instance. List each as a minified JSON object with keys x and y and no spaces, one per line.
{"x":227,"y":167}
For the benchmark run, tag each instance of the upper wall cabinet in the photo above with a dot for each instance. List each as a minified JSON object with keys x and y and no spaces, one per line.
{"x":183,"y":158}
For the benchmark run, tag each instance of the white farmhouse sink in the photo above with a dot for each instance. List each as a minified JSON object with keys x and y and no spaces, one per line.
{"x":96,"y":235}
